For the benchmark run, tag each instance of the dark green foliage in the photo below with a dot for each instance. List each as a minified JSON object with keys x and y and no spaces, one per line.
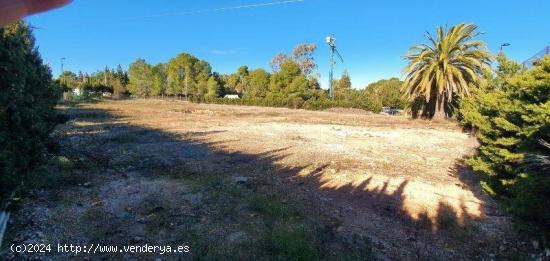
{"x":105,"y":81}
{"x":27,"y":100}
{"x":385,"y":93}
{"x":187,"y":75}
{"x":258,"y":83}
{"x":511,"y":115}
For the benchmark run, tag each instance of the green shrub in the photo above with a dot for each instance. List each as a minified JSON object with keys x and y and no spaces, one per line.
{"x":27,"y":100}
{"x":510,"y":115}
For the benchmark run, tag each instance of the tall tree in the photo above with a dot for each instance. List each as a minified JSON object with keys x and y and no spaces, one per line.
{"x":141,"y":78}
{"x":214,"y":87}
{"x":342,"y":86}
{"x":278,"y":60}
{"x":281,"y":79}
{"x":184,"y":72}
{"x":442,"y":70}
{"x":385,"y":92}
{"x":27,"y":100}
{"x":159,"y":80}
{"x":242,"y":79}
{"x":258,"y":83}
{"x":68,"y":80}
{"x":303,"y":56}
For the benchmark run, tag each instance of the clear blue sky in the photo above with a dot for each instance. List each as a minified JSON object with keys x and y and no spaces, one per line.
{"x":372,"y":36}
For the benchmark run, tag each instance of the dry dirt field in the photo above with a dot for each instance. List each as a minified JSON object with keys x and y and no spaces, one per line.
{"x":236,"y":182}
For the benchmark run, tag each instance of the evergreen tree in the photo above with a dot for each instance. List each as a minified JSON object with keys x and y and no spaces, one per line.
{"x":214,"y":88}
{"x":27,"y":99}
{"x":511,"y":116}
{"x":258,"y":83}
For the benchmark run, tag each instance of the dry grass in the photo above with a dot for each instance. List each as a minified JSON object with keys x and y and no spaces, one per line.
{"x":349,"y":180}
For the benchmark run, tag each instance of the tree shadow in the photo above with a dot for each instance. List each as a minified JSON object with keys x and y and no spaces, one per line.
{"x":384,"y":211}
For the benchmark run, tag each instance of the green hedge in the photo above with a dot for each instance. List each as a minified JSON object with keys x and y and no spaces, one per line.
{"x":320,"y":103}
{"x":27,"y":101}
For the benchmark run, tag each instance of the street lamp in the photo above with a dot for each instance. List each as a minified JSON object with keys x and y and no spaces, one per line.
{"x":502,"y":46}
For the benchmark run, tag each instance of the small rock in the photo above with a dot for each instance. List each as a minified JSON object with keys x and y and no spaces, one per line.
{"x":547,"y":252}
{"x":136,"y":240}
{"x":237,"y":236}
{"x":241,"y":179}
{"x":325,"y":199}
{"x":502,"y":248}
{"x":87,"y":184}
{"x":535,"y":244}
{"x":39,"y":235}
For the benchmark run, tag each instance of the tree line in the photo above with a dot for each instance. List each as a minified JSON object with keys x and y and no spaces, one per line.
{"x":108,"y":80}
{"x":292,"y":82}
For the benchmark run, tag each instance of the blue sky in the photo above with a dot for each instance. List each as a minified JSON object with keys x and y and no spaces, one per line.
{"x":372,"y":36}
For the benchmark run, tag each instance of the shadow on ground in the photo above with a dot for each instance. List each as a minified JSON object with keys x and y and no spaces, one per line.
{"x":126,"y":184}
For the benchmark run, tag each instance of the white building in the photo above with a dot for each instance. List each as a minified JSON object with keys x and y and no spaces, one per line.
{"x":231,"y":96}
{"x":77,"y":91}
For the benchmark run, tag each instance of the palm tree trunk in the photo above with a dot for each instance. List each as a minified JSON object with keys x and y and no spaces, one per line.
{"x":439,"y":112}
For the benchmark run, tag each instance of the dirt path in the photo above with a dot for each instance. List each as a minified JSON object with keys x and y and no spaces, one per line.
{"x":210,"y":174}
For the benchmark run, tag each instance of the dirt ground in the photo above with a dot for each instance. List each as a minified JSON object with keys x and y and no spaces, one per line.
{"x":236,"y":182}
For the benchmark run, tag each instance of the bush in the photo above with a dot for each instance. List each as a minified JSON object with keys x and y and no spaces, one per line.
{"x":27,"y":100}
{"x":511,"y":115}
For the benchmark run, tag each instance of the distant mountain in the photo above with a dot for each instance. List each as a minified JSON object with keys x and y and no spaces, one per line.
{"x":537,"y":56}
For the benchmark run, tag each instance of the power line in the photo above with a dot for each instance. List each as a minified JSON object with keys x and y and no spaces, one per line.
{"x":229,"y":8}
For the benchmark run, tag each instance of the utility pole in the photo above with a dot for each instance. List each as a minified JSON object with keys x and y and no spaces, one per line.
{"x":331,"y":41}
{"x":331,"y":73}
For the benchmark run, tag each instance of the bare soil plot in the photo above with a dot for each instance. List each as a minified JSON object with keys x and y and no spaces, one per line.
{"x":265,"y":183}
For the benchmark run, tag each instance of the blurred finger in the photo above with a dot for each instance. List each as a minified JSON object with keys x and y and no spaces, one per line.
{"x":13,"y":10}
{"x":37,"y":6}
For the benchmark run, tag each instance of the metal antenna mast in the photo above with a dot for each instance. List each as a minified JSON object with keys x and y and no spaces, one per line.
{"x":331,"y":41}
{"x":62,"y":59}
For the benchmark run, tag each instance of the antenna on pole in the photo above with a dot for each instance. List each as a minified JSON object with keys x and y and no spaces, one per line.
{"x":62,"y":59}
{"x":331,"y":41}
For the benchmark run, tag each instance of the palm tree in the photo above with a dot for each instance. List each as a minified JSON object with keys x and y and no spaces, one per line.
{"x":439,"y":72}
